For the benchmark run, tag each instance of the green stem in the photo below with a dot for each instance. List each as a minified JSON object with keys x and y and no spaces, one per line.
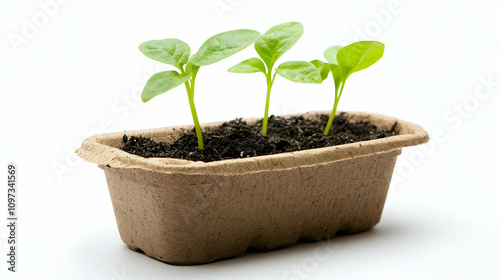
{"x":196,"y":122}
{"x":190,"y":91}
{"x":270,"y":82}
{"x":332,"y":115}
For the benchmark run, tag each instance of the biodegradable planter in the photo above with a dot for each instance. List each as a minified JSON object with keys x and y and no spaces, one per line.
{"x":186,"y":212}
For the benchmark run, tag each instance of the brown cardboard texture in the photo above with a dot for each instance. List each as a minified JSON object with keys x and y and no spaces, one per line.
{"x":185,"y":212}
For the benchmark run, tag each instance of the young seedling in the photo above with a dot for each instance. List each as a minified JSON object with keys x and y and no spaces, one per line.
{"x":342,"y":62}
{"x":177,"y":53}
{"x":270,"y":46}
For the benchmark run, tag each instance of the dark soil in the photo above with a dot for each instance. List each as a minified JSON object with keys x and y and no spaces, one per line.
{"x":237,"y":139}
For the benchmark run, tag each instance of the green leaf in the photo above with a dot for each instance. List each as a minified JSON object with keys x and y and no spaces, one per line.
{"x":170,"y":51}
{"x":223,"y":45}
{"x":323,"y":68}
{"x":338,"y":76}
{"x":162,"y":82}
{"x":300,"y":72}
{"x":277,"y":40}
{"x":358,"y":56}
{"x":331,"y":54}
{"x":250,"y":65}
{"x":190,"y":67}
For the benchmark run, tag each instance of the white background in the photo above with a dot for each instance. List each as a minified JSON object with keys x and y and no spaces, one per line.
{"x":77,"y":72}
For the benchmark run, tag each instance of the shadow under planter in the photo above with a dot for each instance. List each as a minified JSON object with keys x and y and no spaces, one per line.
{"x":186,"y":212}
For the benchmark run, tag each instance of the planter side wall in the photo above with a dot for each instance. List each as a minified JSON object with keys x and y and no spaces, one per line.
{"x":192,"y":219}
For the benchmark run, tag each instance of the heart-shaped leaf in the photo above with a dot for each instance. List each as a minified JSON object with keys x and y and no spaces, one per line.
{"x":223,"y":45}
{"x":250,"y":65}
{"x":300,"y":72}
{"x":323,"y":68}
{"x":358,"y":56}
{"x":170,"y":51}
{"x":277,"y":40}
{"x":162,"y":82}
{"x":331,"y":54}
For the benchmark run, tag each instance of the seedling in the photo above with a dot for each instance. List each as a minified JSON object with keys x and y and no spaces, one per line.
{"x":270,"y":46}
{"x":177,"y":53}
{"x":342,"y":62}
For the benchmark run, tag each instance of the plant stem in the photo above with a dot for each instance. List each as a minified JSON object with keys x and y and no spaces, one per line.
{"x":270,"y":82}
{"x":196,"y":122}
{"x":334,"y":110}
{"x":190,"y":91}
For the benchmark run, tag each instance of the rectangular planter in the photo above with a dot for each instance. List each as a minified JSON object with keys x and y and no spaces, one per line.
{"x":186,"y":212}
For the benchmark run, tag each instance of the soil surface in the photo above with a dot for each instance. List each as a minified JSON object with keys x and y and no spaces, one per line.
{"x":237,"y":139}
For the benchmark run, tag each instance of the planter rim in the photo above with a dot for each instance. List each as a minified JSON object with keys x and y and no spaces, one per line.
{"x":98,"y":149}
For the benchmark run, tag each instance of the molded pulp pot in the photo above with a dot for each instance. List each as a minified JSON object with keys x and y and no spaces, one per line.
{"x":186,"y":212}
